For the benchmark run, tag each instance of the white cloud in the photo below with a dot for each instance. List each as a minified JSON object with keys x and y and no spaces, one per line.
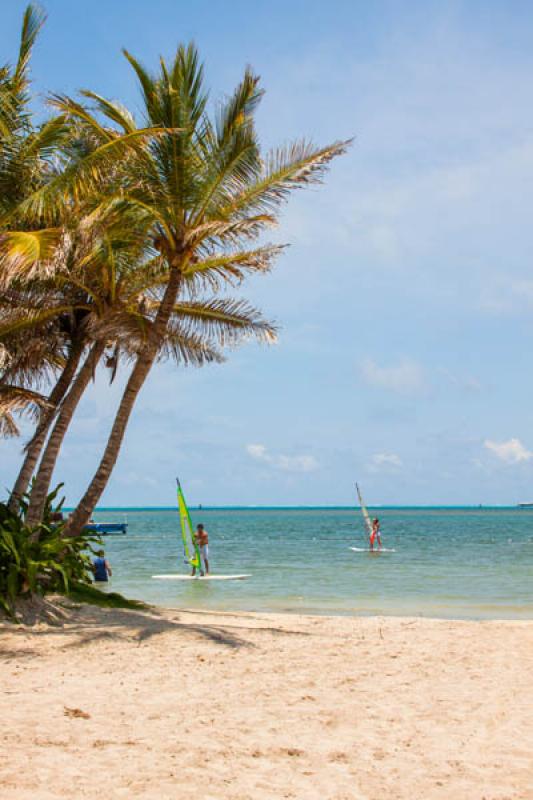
{"x":381,"y":461}
{"x":301,"y":463}
{"x":405,"y":377}
{"x":257,"y":451}
{"x":503,"y":295}
{"x":467,"y":382}
{"x":512,"y":451}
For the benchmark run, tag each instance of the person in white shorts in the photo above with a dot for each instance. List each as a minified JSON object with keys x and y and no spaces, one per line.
{"x":202,"y":540}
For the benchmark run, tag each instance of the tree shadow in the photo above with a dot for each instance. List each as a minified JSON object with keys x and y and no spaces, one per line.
{"x":88,"y":624}
{"x":85,"y":624}
{"x":8,"y":654}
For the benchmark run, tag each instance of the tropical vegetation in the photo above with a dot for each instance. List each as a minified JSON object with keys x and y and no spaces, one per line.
{"x":40,"y":560}
{"x":121,"y":241}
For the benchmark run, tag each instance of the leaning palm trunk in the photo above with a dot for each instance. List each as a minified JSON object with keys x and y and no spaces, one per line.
{"x":48,"y":461}
{"x":35,"y":446}
{"x":136,"y":380}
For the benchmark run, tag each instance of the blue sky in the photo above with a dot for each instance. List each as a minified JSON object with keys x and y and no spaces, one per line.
{"x":406,"y":298}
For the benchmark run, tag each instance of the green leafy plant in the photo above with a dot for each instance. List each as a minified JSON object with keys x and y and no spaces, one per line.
{"x":40,"y":560}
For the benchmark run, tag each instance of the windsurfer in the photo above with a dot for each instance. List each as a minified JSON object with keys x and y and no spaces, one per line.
{"x":375,"y":534}
{"x":202,"y":540}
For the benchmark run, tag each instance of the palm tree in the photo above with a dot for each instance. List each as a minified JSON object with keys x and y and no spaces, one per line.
{"x":32,"y":252}
{"x":31,"y":244}
{"x":57,"y":282}
{"x":115,"y":290}
{"x":101,"y":293}
{"x":27,"y":154}
{"x":199,"y":190}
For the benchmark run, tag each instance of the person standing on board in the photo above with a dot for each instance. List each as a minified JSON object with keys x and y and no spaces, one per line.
{"x":101,"y":568}
{"x":376,"y":534}
{"x":202,"y":540}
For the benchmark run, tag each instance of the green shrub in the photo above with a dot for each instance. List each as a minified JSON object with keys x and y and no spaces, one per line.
{"x":39,"y":560}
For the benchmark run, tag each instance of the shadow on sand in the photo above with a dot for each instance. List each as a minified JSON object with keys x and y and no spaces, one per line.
{"x":85,"y":624}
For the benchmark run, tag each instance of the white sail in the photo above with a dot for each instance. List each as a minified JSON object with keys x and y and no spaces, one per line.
{"x":366,"y":515}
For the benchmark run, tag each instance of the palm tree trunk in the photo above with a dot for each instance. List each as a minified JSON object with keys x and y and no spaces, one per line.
{"x":48,"y":461}
{"x":36,"y":443}
{"x":142,"y":367}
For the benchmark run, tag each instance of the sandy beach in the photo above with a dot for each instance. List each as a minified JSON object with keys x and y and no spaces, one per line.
{"x":162,"y":704}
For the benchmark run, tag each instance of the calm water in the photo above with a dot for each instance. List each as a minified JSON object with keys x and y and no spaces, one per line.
{"x":454,"y":563}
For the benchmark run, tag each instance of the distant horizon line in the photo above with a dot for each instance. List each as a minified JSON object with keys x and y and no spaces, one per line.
{"x":201,"y":507}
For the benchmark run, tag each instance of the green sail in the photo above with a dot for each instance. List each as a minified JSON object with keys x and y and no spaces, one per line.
{"x":191,"y":551}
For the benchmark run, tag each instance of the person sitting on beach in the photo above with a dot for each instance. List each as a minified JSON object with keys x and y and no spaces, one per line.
{"x":202,"y":540}
{"x":101,"y":568}
{"x":376,"y":534}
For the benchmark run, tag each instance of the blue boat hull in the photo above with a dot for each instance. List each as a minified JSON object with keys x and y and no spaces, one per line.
{"x":105,"y":528}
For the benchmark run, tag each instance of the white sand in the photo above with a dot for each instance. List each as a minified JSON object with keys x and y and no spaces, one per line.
{"x":179,"y":704}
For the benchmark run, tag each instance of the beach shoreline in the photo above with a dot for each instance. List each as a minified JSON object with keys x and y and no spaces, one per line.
{"x":162,"y":702}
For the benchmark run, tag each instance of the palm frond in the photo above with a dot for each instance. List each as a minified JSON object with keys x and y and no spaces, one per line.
{"x":228,"y":321}
{"x":285,"y":169}
{"x":7,"y":105}
{"x":86,"y":177}
{"x":33,"y":20}
{"x":45,"y":141}
{"x":186,"y":80}
{"x":230,"y":151}
{"x":26,"y":254}
{"x":24,"y":319}
{"x":148,"y":84}
{"x":240,"y":108}
{"x":232,"y":267}
{"x":221,"y":232}
{"x":189,"y":349}
{"x":71,"y":109}
{"x":5,"y":357}
{"x":31,"y":360}
{"x":116,"y":112}
{"x":14,"y":399}
{"x":8,"y":427}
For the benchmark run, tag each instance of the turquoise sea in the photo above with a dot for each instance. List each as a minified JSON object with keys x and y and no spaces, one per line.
{"x":448,"y":562}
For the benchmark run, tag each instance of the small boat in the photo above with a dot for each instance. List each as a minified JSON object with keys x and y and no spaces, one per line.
{"x":107,"y":528}
{"x":525,"y":505}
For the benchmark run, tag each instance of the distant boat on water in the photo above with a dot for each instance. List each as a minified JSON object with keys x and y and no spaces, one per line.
{"x":525,"y":505}
{"x":102,"y":528}
{"x":107,"y":528}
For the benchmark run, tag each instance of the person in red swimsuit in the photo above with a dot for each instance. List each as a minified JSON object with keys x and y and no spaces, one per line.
{"x":376,"y":534}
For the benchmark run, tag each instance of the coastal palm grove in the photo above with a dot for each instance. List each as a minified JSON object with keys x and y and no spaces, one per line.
{"x":122,"y":240}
